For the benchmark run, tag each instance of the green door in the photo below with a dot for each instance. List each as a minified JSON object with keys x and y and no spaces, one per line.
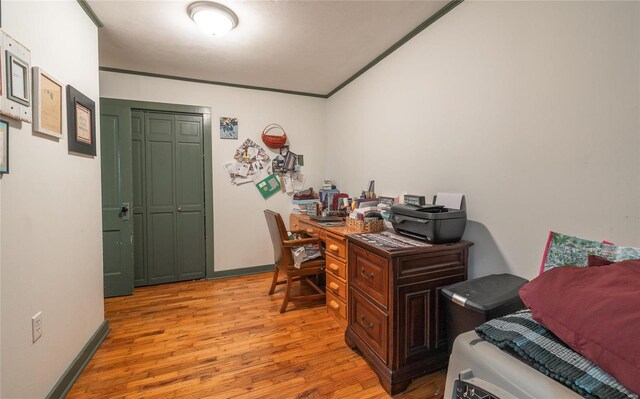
{"x":117,"y":227}
{"x":189,"y":191}
{"x":139,"y":200}
{"x":169,"y":217}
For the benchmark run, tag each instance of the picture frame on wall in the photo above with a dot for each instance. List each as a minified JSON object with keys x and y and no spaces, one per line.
{"x":228,"y":128}
{"x":81,"y":122}
{"x":48,"y":99}
{"x":18,"y":88}
{"x":4,"y":147}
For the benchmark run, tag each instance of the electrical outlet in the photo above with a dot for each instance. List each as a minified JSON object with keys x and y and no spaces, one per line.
{"x":36,"y":326}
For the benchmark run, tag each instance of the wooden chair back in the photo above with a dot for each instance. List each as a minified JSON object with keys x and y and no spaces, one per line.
{"x":281,"y":256}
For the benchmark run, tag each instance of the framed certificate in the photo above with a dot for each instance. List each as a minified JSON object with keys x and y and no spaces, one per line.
{"x":47,"y":104}
{"x":81,"y":122}
{"x":17,"y":79}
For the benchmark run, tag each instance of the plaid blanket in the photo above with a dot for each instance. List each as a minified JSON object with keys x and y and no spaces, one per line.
{"x":549,"y":355}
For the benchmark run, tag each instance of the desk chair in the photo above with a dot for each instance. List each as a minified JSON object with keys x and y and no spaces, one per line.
{"x":284,"y":263}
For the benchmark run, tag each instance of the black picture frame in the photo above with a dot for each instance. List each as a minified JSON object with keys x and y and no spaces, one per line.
{"x":5,"y":148}
{"x":77,"y":101}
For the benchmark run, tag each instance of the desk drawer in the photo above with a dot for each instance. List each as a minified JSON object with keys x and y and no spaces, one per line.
{"x":294,"y":222}
{"x":336,"y":267}
{"x":336,"y":287}
{"x":336,"y":246}
{"x":370,"y":273}
{"x":336,"y":307}
{"x":309,"y":228}
{"x":370,"y":323}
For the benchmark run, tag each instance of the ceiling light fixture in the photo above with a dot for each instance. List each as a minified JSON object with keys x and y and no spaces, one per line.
{"x":213,"y":18}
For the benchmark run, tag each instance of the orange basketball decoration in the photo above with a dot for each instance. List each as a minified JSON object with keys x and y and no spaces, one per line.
{"x":272,"y":141}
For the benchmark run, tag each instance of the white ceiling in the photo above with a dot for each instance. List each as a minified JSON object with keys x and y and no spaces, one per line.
{"x":306,"y":46}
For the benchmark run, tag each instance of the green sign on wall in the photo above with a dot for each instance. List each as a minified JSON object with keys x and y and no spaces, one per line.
{"x":268,"y":186}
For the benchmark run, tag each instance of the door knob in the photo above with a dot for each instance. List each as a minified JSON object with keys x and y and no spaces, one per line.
{"x":179,"y":209}
{"x":124,"y":211}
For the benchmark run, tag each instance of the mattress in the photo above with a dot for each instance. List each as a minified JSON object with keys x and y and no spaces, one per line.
{"x":487,"y":367}
{"x":534,"y":343}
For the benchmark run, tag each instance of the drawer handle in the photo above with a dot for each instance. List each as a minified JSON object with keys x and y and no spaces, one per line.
{"x":334,"y":305}
{"x":333,"y":247}
{"x":333,"y":267}
{"x":334,"y":286}
{"x":367,"y":326}
{"x":369,"y":277}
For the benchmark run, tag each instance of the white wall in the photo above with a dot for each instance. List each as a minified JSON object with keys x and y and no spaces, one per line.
{"x":529,"y":108}
{"x":51,"y":240}
{"x":241,"y":238}
{"x":0,"y":289}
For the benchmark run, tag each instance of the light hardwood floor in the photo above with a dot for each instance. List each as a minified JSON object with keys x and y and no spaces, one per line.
{"x":226,"y":339}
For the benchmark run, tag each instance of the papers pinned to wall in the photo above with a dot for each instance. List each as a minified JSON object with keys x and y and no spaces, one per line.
{"x":250,"y":161}
{"x":251,"y":164}
{"x":288,"y":184}
{"x":251,"y":153}
{"x":233,"y":170}
{"x":298,"y":182}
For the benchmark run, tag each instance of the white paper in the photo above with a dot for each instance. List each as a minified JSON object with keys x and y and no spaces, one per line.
{"x":243,"y":170}
{"x":17,"y":80}
{"x":255,"y":168}
{"x":449,"y":200}
{"x":288,"y":184}
{"x":258,"y":177}
{"x":229,"y":170}
{"x":298,"y":182}
{"x":242,"y":180}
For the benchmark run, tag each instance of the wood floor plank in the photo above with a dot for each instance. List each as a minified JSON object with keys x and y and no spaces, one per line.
{"x":227,"y":339}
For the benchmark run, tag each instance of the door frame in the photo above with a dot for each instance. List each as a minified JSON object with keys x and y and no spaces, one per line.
{"x":207,"y":162}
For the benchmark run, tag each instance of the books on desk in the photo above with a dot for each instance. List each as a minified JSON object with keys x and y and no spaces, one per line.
{"x":300,"y":205}
{"x":326,"y":197}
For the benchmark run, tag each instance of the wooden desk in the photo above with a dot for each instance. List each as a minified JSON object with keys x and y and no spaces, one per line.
{"x":337,"y":261}
{"x":389,"y":302}
{"x":396,"y":316}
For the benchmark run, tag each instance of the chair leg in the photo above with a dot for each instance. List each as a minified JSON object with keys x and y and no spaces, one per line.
{"x":285,"y":302}
{"x":275,"y":280}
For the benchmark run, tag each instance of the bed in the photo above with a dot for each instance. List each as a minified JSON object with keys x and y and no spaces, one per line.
{"x":484,"y":365}
{"x":516,"y":357}
{"x":585,"y":301}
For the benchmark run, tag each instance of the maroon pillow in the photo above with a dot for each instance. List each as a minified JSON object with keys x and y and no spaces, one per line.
{"x":596,"y":311}
{"x":596,"y":260}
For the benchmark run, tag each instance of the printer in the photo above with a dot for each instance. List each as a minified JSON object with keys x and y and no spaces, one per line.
{"x":435,"y":224}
